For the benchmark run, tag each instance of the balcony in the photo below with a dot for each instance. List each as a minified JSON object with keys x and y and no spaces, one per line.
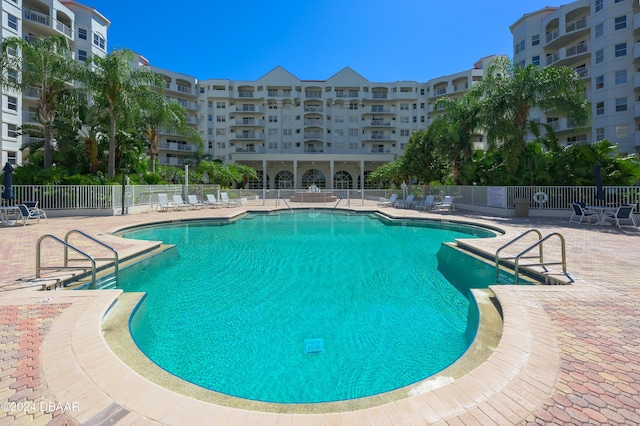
{"x":29,"y":117}
{"x":313,"y":135}
{"x":379,"y":123}
{"x":313,"y":108}
{"x":64,"y":29}
{"x":245,"y":94}
{"x":250,"y":108}
{"x":247,"y":136}
{"x":248,"y":122}
{"x":172,"y":146}
{"x":40,"y":18}
{"x":313,"y":95}
{"x":313,"y":122}
{"x":552,"y":35}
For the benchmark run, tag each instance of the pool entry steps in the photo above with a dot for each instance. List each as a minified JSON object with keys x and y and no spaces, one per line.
{"x":540,"y":256}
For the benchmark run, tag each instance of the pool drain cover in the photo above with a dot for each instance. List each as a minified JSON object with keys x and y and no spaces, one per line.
{"x":313,"y":346}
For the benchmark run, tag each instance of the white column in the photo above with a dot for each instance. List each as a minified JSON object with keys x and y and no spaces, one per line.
{"x":295,"y":174}
{"x":331,"y":164}
{"x":362,"y":175}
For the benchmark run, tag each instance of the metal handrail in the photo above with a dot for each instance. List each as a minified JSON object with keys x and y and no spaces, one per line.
{"x":340,"y":199}
{"x":39,"y":267}
{"x":542,"y":263}
{"x":513,"y":257}
{"x":284,"y":201}
{"x":77,"y":231}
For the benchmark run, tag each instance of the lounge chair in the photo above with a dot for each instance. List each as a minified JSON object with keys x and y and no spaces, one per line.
{"x":26,"y":214}
{"x":194,"y":203}
{"x":33,"y":208}
{"x":164,"y":204}
{"x":427,"y":204}
{"x":624,"y":212}
{"x":224,"y":197}
{"x":581,"y":213}
{"x":179,"y":202}
{"x":406,"y":203}
{"x":384,"y":202}
{"x":445,"y":205}
{"x":212,"y":202}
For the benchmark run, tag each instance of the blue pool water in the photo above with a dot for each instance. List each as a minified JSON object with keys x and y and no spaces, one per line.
{"x":304,"y":307}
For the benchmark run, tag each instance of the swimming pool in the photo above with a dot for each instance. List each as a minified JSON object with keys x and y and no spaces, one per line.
{"x":299,"y":308}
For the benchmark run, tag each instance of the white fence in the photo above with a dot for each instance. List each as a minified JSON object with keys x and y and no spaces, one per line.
{"x":111,"y":198}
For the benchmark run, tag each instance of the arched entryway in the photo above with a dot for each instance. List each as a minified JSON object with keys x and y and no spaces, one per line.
{"x":314,"y":177}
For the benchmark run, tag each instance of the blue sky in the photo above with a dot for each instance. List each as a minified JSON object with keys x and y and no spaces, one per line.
{"x":382,"y":40}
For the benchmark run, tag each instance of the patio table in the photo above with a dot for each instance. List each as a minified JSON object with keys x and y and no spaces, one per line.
{"x":600,"y":212}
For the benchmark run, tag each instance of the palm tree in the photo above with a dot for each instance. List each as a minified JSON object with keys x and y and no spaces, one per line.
{"x":120,"y":88}
{"x":43,"y":64}
{"x":160,"y":115}
{"x":510,"y":92}
{"x":462,"y":115}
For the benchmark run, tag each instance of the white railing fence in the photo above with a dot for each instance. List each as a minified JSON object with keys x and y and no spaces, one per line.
{"x":110,"y":197}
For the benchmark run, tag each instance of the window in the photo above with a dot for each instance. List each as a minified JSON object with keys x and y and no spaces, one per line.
{"x":599,"y":30}
{"x":210,"y":117}
{"x":209,"y":104}
{"x":82,"y":33}
{"x":221,"y":105}
{"x":618,"y":1}
{"x":621,"y":104}
{"x":599,"y":56}
{"x":405,"y":132}
{"x":536,"y":60}
{"x":201,"y":89}
{"x":12,"y":76}
{"x":82,"y":55}
{"x":599,"y":5}
{"x":11,"y":157}
{"x":519,"y":46}
{"x":600,"y":108}
{"x":621,"y":50}
{"x":353,"y":105}
{"x":404,"y":120}
{"x":621,"y":77}
{"x":599,"y":133}
{"x":221,"y":118}
{"x":422,"y":92}
{"x":12,"y":103}
{"x":622,"y":132}
{"x":273,"y":106}
{"x":415,"y":119}
{"x":600,"y":82}
{"x":272,"y":132}
{"x":273,"y":119}
{"x":535,"y":40}
{"x":353,"y":132}
{"x":98,"y":40}
{"x":404,"y":107}
{"x":620,"y":22}
{"x":221,"y":132}
{"x":12,"y":21}
{"x":12,"y":130}
{"x":422,"y":105}
{"x":287,"y":132}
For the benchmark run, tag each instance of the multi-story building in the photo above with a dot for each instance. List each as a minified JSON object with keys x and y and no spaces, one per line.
{"x":86,"y":31}
{"x":597,"y":38}
{"x":329,"y":133}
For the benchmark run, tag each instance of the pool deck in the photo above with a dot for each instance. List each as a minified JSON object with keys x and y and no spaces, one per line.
{"x":569,"y":354}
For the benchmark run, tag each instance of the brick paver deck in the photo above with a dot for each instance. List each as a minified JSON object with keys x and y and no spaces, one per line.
{"x":568,"y":354}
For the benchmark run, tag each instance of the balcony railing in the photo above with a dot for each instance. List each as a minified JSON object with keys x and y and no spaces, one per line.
{"x":577,"y":49}
{"x":379,"y":95}
{"x":40,"y":18}
{"x":244,"y":94}
{"x":552,"y":35}
{"x":576,"y":25}
{"x":313,"y":108}
{"x":64,"y":29}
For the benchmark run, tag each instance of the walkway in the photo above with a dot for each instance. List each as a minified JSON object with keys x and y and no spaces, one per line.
{"x":568,"y":354}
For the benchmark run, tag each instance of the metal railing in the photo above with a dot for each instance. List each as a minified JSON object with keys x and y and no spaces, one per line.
{"x":110,"y":197}
{"x":540,"y":256}
{"x":542,"y":263}
{"x":66,"y":245}
{"x":115,"y":258}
